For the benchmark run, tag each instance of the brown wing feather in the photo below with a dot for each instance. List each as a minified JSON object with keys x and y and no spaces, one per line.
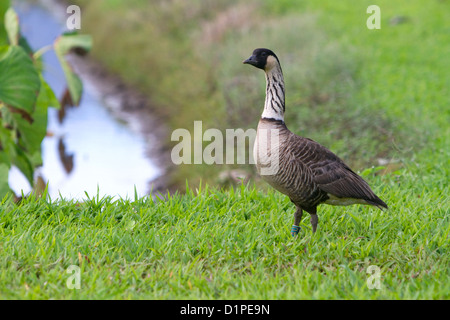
{"x":339,"y":180}
{"x":333,"y":176}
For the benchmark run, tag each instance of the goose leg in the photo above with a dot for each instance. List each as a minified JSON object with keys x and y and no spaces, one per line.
{"x":314,"y":221}
{"x":297,"y":218}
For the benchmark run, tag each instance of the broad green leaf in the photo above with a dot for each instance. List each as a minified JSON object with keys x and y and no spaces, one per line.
{"x":4,"y":5}
{"x":63,"y":45}
{"x":71,"y":41}
{"x":31,"y":135}
{"x":23,"y":163}
{"x":12,"y":26}
{"x":26,"y":46}
{"x":4,"y":158}
{"x":4,"y":173}
{"x":5,"y":134}
{"x":19,"y":80}
{"x":13,"y":155}
{"x":7,"y":143}
{"x":51,"y":99}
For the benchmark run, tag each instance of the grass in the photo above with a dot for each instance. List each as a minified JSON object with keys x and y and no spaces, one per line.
{"x":234,"y":244}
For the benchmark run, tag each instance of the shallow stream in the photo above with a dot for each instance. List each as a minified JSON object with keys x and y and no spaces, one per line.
{"x":91,"y":149}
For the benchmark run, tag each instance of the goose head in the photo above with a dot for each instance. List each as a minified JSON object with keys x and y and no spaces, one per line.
{"x":264,"y":59}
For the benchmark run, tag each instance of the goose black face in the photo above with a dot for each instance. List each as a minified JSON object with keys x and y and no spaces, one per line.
{"x":259,"y":58}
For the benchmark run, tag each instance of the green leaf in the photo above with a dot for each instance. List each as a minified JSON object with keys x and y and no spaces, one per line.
{"x":4,"y":173}
{"x":12,"y":26}
{"x":31,"y":135}
{"x":12,"y":154}
{"x":6,"y":143}
{"x":23,"y":163}
{"x":4,"y":5}
{"x":51,"y":99}
{"x":63,"y":45}
{"x":19,"y":80}
{"x":4,"y":158}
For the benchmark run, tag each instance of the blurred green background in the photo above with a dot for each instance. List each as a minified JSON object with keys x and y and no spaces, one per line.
{"x":365,"y":94}
{"x":371,"y":96}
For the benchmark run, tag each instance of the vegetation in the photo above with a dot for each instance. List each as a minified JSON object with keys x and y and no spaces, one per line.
{"x":235,"y":244}
{"x":25,"y":96}
{"x":370,"y":95}
{"x":365,"y":94}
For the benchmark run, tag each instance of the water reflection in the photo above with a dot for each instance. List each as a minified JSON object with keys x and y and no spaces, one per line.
{"x":86,"y":148}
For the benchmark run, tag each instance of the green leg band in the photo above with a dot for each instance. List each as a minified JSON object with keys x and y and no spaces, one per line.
{"x":295,"y":230}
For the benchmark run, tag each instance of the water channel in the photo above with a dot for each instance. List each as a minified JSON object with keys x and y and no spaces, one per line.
{"x":91,"y":149}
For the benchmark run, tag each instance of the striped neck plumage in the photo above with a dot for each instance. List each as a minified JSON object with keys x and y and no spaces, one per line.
{"x":274,"y":104}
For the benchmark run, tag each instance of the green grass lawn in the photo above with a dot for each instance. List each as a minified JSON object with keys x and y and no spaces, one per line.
{"x":366,"y":94}
{"x":233,"y":244}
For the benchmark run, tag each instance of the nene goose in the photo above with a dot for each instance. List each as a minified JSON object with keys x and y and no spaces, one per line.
{"x":308,"y":173}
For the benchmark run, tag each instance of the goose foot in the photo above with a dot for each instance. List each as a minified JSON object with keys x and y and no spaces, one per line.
{"x":295,"y":230}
